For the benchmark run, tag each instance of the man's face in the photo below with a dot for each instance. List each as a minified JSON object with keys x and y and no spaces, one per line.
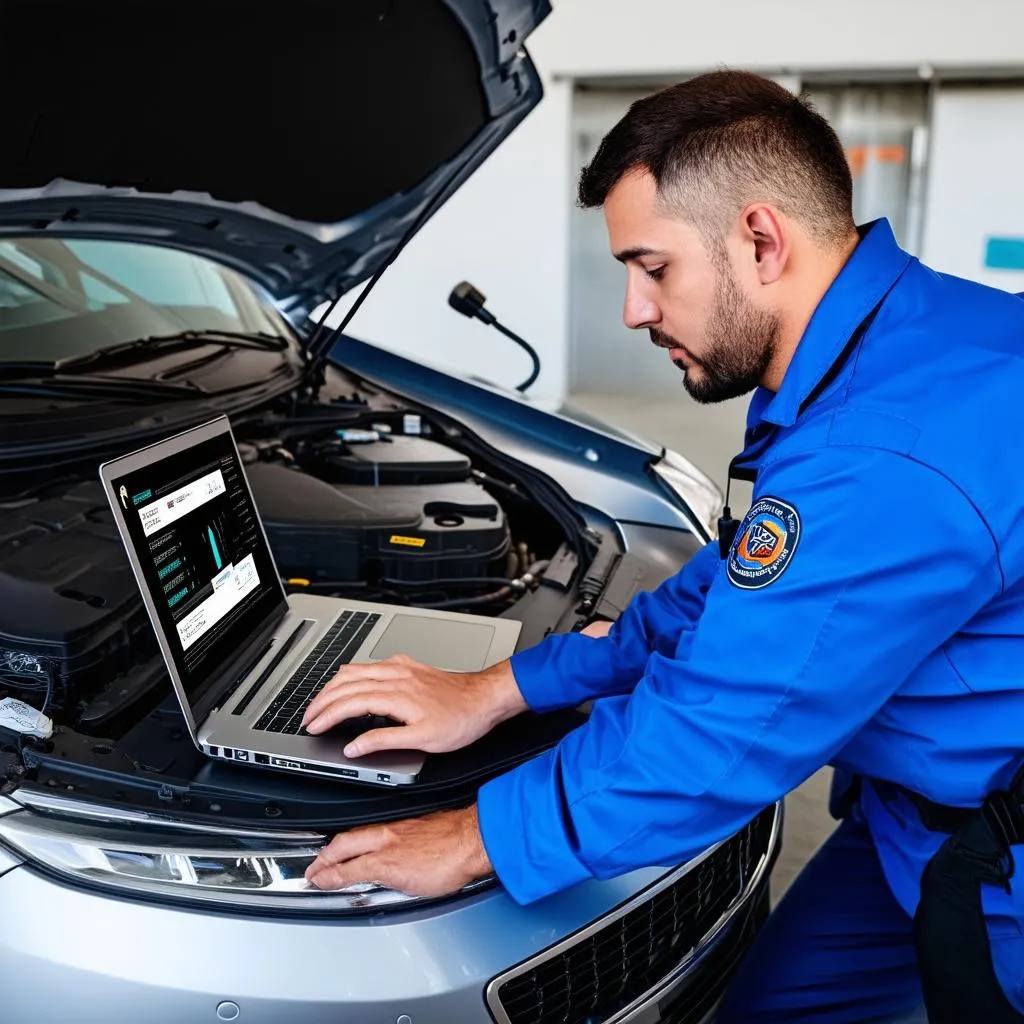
{"x":688,"y":298}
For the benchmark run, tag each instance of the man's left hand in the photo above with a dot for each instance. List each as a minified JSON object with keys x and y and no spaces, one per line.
{"x":430,"y":856}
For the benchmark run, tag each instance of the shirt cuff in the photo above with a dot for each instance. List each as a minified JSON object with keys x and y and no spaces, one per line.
{"x":539,"y":690}
{"x":564,"y":670}
{"x":524,"y":832}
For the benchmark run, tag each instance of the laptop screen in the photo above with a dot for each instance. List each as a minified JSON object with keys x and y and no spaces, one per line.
{"x":204,"y":559}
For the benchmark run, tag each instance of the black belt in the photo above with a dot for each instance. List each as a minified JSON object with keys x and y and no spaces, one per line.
{"x":1002,"y":811}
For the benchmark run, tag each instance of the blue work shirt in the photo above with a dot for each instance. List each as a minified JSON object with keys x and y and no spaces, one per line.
{"x":870,"y":614}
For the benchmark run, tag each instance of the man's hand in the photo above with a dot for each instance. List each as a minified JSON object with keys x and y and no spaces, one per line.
{"x":439,"y":710}
{"x":430,"y":856}
{"x":598,"y":628}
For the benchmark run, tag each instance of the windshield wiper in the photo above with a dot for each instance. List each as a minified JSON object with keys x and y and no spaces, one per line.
{"x":47,"y":379}
{"x":128,"y":352}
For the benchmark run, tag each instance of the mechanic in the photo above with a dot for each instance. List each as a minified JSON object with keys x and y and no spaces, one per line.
{"x":867,"y":613}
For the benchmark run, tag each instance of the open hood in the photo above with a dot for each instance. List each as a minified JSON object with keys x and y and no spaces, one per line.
{"x":295,"y":142}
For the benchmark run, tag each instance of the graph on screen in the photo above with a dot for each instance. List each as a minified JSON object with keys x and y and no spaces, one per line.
{"x":214,"y":539}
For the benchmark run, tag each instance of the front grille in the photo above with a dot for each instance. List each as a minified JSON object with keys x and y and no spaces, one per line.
{"x":589,"y":980}
{"x":700,"y":994}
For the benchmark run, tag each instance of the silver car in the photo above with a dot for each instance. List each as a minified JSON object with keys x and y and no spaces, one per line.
{"x":175,"y":202}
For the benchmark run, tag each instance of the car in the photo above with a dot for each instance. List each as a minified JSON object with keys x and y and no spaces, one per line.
{"x":177,"y":206}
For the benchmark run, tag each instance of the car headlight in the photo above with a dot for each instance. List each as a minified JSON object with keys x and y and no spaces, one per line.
{"x":149,"y":855}
{"x":697,"y":490}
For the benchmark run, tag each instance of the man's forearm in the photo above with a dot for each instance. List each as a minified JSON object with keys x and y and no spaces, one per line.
{"x":504,"y":699}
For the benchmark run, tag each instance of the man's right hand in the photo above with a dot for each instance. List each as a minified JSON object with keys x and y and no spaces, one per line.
{"x":437,"y":711}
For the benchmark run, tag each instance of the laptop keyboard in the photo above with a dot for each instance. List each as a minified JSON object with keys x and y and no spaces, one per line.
{"x":338,"y":647}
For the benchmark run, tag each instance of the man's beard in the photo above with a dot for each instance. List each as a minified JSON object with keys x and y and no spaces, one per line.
{"x":739,"y":345}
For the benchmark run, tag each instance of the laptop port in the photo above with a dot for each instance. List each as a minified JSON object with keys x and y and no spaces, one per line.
{"x":262,"y":759}
{"x":228,"y":752}
{"x":381,"y":777}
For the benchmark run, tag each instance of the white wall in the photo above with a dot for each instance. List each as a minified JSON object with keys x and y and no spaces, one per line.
{"x":626,"y":36}
{"x":507,"y":231}
{"x":976,"y":136}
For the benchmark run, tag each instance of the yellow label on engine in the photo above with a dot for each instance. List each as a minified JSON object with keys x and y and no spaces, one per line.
{"x":410,"y":542}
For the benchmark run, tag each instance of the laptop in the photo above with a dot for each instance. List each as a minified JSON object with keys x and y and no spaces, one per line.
{"x":244,"y":657}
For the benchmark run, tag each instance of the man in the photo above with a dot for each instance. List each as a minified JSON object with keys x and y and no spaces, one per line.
{"x":869,"y":612}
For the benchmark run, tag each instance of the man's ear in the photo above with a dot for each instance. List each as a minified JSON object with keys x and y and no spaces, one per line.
{"x":766,"y":233}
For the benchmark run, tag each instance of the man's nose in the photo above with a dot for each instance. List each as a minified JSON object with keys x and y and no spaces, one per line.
{"x":639,"y":310}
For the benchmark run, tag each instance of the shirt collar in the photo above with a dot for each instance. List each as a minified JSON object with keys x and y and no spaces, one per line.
{"x":867,"y":275}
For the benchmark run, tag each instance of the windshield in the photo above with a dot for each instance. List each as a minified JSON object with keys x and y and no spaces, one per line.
{"x":64,"y":298}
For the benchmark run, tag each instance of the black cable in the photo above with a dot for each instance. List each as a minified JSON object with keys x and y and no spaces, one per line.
{"x":470,"y":602}
{"x":530,"y":351}
{"x":534,"y":569}
{"x":364,"y":588}
{"x":425,"y":584}
{"x":497,"y":595}
{"x":364,"y":591}
{"x":489,"y":481}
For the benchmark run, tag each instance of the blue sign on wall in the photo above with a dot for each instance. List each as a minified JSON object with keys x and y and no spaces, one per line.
{"x":1004,"y":253}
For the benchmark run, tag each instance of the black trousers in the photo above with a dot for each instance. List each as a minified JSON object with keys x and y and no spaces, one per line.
{"x":950,"y":936}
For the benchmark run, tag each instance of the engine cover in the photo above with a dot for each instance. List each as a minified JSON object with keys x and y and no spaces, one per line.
{"x":70,"y":602}
{"x":358,"y":534}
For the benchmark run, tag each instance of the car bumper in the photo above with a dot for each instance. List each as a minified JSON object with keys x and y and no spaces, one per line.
{"x":75,"y":955}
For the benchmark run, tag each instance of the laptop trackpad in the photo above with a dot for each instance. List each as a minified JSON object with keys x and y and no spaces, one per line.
{"x":455,"y":646}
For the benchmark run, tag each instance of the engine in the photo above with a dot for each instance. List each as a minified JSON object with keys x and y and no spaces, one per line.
{"x":359,"y":513}
{"x":399,"y":511}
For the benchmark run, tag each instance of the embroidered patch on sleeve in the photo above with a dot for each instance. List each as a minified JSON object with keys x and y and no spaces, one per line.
{"x":765,"y":545}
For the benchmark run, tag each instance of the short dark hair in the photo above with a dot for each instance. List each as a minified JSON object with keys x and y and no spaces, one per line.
{"x":720,"y":141}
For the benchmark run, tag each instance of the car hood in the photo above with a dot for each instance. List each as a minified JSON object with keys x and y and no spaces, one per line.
{"x":295,"y":143}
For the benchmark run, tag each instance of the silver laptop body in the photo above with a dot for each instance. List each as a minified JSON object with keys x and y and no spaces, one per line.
{"x":245,"y":659}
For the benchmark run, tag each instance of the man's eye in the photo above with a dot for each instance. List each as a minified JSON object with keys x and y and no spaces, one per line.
{"x":655,"y":274}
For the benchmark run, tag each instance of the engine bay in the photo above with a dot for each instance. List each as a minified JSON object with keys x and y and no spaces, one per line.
{"x":362,"y":495}
{"x":369,"y":512}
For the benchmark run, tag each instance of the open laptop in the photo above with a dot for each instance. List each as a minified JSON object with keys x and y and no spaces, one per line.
{"x":245,"y":658}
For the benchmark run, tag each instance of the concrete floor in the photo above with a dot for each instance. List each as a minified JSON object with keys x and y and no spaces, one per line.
{"x":710,"y":436}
